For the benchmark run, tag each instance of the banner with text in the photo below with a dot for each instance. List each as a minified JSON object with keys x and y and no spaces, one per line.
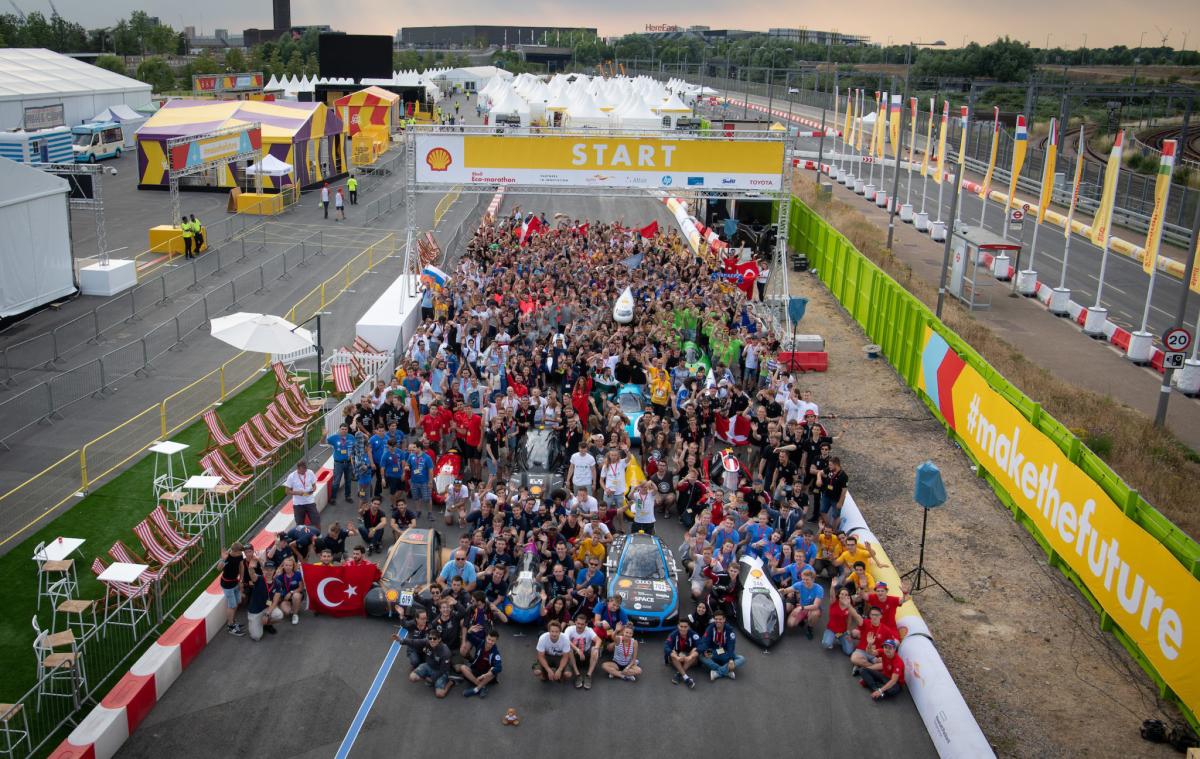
{"x":601,"y":161}
{"x":1143,"y":588}
{"x":215,"y":148}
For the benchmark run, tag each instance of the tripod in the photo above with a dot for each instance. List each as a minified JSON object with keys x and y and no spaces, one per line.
{"x":920,"y":572}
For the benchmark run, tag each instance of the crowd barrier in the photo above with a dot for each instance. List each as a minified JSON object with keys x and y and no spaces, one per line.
{"x":1138,"y":570}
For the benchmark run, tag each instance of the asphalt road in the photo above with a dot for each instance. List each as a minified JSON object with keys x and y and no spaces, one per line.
{"x":1125,"y":284}
{"x":296,"y":693}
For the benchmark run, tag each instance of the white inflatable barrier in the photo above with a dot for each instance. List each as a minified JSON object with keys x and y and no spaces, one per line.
{"x":947,"y":718}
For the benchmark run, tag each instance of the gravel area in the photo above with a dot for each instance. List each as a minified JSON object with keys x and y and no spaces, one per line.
{"x":1023,"y":645}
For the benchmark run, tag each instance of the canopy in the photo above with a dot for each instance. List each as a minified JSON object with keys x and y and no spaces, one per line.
{"x":270,"y":167}
{"x":261,"y":333}
{"x":119,"y":113}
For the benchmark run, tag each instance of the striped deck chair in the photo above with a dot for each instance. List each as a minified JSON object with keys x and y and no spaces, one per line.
{"x":359,"y":371}
{"x":171,"y":533}
{"x":118,"y":590}
{"x":217,"y":434}
{"x":309,"y":404}
{"x":362,"y":346}
{"x":280,"y":423}
{"x":173,"y":561}
{"x":282,"y":378}
{"x":217,"y":464}
{"x":284,"y":404}
{"x":273,"y":440}
{"x":248,"y":448}
{"x":120,"y":552}
{"x":343,"y":382}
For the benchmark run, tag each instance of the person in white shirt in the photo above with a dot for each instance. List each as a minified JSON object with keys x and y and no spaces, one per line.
{"x":597,"y":530}
{"x":581,"y":474}
{"x":612,"y":477}
{"x":301,"y":485}
{"x":643,"y":508}
{"x":583,"y":504}
{"x":585,"y":651}
{"x":553,"y":654}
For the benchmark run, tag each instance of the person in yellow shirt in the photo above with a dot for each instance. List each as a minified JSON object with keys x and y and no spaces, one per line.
{"x":589,"y":547}
{"x":660,"y":390}
{"x":860,"y":583}
{"x":829,"y":547}
{"x":856,"y":551}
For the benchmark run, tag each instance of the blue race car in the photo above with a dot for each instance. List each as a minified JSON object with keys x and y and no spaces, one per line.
{"x":633,"y":405}
{"x":642,"y":570}
{"x":524,"y":602}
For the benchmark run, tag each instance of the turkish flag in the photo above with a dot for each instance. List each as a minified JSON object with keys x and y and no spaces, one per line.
{"x":650,"y":230}
{"x":339,"y":591}
{"x":746,"y":271}
{"x":734,"y":430}
{"x":582,"y":229}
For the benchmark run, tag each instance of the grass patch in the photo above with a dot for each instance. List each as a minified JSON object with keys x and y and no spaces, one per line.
{"x":102,"y":517}
{"x":1151,"y":460}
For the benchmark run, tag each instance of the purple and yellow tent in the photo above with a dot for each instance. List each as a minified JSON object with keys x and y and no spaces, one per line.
{"x":308,"y":136}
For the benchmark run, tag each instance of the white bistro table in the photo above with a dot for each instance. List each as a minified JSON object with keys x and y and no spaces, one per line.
{"x":127,"y":582}
{"x":170,"y":469}
{"x":202,"y":509}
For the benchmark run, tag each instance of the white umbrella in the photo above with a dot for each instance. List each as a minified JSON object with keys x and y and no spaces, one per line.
{"x":261,"y":333}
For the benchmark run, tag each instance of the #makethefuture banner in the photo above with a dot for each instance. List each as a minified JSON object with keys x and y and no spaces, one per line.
{"x":601,"y":161}
{"x":1162,"y":191}
{"x":985,"y":188}
{"x":1142,"y":587}
{"x":1112,"y":172}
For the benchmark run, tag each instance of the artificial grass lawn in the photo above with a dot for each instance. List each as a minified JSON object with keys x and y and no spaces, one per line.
{"x":102,"y":517}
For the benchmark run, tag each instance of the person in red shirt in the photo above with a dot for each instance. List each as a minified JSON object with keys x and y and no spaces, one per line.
{"x":436,"y":424}
{"x":888,"y":604}
{"x":468,"y":429}
{"x":843,"y":619}
{"x":885,"y":677}
{"x":581,"y":399}
{"x":871,"y":634}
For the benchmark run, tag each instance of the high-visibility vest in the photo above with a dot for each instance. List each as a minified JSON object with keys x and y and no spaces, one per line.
{"x":186,"y":227}
{"x":352,"y":184}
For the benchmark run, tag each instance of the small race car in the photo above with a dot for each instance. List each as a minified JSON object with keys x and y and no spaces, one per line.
{"x":642,"y":570}
{"x":633,"y":405}
{"x":523,"y":605}
{"x":760,"y":607}
{"x":540,"y":465}
{"x":695,"y":360}
{"x":411,"y":565}
{"x":447,"y":469}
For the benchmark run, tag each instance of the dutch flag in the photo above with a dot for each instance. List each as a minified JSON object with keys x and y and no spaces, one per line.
{"x":1022,"y":130}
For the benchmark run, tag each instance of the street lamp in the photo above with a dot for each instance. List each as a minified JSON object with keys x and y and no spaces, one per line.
{"x":895,"y":207}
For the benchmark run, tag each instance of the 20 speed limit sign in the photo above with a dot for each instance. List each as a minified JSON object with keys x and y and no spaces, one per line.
{"x":1177,"y":339}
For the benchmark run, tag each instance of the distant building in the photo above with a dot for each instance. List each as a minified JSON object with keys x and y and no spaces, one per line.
{"x":474,"y":35}
{"x":818,"y":37}
{"x":703,"y":33}
{"x":252,"y":37}
{"x":282,"y":13}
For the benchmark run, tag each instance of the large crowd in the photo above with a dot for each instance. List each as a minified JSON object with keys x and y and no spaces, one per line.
{"x":523,"y":337}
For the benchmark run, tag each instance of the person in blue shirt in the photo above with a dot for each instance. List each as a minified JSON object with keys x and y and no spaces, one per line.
{"x":376,"y":447}
{"x":806,"y":547}
{"x":485,"y":665}
{"x":300,"y":538}
{"x":420,"y":470}
{"x":590,"y":575}
{"x":341,"y":444}
{"x":756,"y":533}
{"x":681,"y":652}
{"x":807,"y":596}
{"x":458,"y":567}
{"x":719,"y":648}
{"x":392,"y":463}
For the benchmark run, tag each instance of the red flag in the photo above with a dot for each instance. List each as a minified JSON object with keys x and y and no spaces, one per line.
{"x":734,"y":430}
{"x":650,"y":230}
{"x":582,"y":229}
{"x":746,"y":274}
{"x":531,"y":227}
{"x":339,"y":591}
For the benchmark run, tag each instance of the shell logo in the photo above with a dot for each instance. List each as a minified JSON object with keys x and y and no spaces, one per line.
{"x":439,"y":159}
{"x":624,"y":583}
{"x":756,"y":573}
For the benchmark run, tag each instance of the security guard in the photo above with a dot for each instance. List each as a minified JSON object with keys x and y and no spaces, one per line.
{"x":185,"y":227}
{"x":352,"y":186}
{"x":197,"y":235}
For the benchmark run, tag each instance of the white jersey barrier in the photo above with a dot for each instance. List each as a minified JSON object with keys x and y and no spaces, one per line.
{"x":951,"y":726}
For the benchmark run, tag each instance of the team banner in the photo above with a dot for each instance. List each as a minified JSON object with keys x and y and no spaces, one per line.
{"x":912,"y":138}
{"x":848,"y":127}
{"x":1075,"y":187}
{"x":1103,"y":218}
{"x":1048,"y":167}
{"x":928,"y":141}
{"x":191,"y":154}
{"x":894,"y":122}
{"x":227,"y":82}
{"x":986,"y":188}
{"x":600,"y":161}
{"x":1142,"y":587}
{"x":1162,"y":191}
{"x":941,"y":152}
{"x":1020,"y":144}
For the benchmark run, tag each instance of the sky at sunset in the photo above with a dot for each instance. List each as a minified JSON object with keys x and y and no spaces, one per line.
{"x":1106,"y":22}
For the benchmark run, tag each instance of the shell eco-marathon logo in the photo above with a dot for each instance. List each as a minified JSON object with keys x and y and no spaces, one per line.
{"x":439,"y":159}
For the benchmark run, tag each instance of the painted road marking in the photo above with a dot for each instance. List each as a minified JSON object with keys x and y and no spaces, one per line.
{"x":369,"y":701}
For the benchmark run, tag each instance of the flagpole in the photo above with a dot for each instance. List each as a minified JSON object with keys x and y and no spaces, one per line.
{"x":962,"y":159}
{"x":1027,"y":279}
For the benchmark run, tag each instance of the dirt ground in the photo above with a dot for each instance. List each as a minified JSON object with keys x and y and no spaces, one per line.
{"x":1022,"y":644}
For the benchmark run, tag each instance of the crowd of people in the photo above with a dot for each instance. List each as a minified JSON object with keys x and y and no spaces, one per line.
{"x":730,"y":445}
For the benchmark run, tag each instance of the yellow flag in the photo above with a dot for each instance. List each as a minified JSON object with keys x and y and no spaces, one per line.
{"x":1162,"y":191}
{"x":835,"y":108}
{"x":928,"y":141}
{"x":1075,"y":187}
{"x":881,"y":125}
{"x":858,"y":130}
{"x":1103,"y":218}
{"x":894,"y":118}
{"x":874,"y":146}
{"x":940,"y":169}
{"x":1020,"y":145}
{"x":964,"y":115}
{"x":986,"y":187}
{"x":847,"y":128}
{"x":1048,"y":171}
{"x":912,"y":140}
{"x":1195,"y":280}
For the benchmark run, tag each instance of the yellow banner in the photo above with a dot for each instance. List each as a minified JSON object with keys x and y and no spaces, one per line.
{"x":1144,"y":589}
{"x":912,"y":138}
{"x":1020,"y":144}
{"x":1103,"y":218}
{"x":963,"y":124}
{"x":894,"y":118}
{"x":877,"y":129}
{"x":1048,"y":167}
{"x":848,"y":127}
{"x":940,"y":169}
{"x":1075,"y":186}
{"x":928,"y":141}
{"x":1194,"y":282}
{"x":986,"y":187}
{"x":1162,"y":191}
{"x":858,"y":129}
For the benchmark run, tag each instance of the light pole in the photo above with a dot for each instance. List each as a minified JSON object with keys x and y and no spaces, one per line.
{"x":900,"y":146}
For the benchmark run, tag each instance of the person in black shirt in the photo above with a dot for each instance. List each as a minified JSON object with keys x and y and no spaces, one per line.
{"x":334,"y":541}
{"x":435,"y":665}
{"x":233,"y":570}
{"x":494,"y":586}
{"x":448,"y":623}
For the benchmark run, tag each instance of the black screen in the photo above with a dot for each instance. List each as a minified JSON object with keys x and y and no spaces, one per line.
{"x":358,"y":56}
{"x":81,"y":185}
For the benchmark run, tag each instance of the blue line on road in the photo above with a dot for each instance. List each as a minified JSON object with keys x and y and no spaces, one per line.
{"x":365,"y":708}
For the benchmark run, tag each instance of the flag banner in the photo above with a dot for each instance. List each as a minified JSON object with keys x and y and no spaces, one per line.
{"x":928,"y":141}
{"x":986,"y":188}
{"x":1194,"y":282}
{"x":734,"y":430}
{"x":1020,"y":145}
{"x":940,"y":169}
{"x":964,"y":119}
{"x":836,"y":103}
{"x":1103,"y":218}
{"x":881,"y":124}
{"x":912,"y":137}
{"x":633,"y":261}
{"x":339,"y":591}
{"x":532,"y":226}
{"x":1075,"y":186}
{"x":860,"y":103}
{"x":650,"y":230}
{"x":848,"y":127}
{"x":1162,"y":191}
{"x":743,"y":274}
{"x":434,"y":278}
{"x":1048,"y":168}
{"x":894,"y":123}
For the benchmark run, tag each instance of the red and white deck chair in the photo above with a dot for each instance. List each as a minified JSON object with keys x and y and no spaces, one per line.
{"x":343,"y":379}
{"x":249,"y":448}
{"x":284,"y":403}
{"x":171,"y":534}
{"x":308,"y":404}
{"x":265,"y":434}
{"x":165,"y":557}
{"x":119,"y":591}
{"x":120,"y":552}
{"x":217,"y":434}
{"x":217,"y":464}
{"x":282,"y":377}
{"x":362,"y":346}
{"x":280,"y":423}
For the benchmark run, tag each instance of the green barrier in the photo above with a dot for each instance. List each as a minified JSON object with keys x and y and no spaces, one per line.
{"x":897,"y":321}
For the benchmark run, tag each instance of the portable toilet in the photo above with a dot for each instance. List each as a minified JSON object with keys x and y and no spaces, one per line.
{"x":38,"y":146}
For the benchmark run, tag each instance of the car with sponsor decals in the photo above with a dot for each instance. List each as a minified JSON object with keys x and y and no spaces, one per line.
{"x":643,"y":571}
{"x":412,"y":564}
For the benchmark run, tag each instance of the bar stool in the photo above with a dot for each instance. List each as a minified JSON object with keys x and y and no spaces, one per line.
{"x":57,"y":668}
{"x":77,"y":613}
{"x":13,"y":736}
{"x":56,"y":579}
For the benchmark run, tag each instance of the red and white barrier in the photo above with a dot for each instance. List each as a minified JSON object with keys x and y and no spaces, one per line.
{"x":103,"y":731}
{"x":831,"y":129}
{"x":494,"y":207}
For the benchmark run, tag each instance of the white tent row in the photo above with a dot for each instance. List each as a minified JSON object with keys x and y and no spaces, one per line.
{"x":593,"y":102}
{"x":291,"y":87}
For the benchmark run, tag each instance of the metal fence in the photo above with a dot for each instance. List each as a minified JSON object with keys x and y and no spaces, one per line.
{"x":52,"y":707}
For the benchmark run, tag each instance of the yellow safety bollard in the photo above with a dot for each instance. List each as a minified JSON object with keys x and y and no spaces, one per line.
{"x":162,"y":414}
{"x":222,"y":373}
{"x":83,"y":475}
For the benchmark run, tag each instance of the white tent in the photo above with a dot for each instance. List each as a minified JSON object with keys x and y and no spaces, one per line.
{"x":129,"y":119}
{"x":34,"y":77}
{"x":639,"y":116}
{"x":270,"y":167}
{"x":35,"y":260}
{"x":583,"y":113}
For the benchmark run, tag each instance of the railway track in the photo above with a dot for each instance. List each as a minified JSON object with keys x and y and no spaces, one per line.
{"x":1191,"y":142}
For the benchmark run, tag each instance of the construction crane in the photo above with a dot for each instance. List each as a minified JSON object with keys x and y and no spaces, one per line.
{"x":53,"y":11}
{"x":17,"y":8}
{"x":1165,"y":34}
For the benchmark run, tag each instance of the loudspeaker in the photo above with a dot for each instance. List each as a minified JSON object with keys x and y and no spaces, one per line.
{"x":929,"y":492}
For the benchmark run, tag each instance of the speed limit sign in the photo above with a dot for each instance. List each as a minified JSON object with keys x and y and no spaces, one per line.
{"x":1177,"y":339}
